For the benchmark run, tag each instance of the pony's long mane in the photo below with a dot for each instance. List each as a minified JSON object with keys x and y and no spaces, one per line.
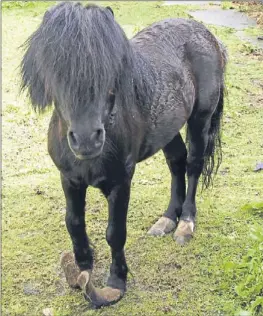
{"x":77,"y":54}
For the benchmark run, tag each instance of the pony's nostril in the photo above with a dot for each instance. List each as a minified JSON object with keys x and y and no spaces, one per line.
{"x":97,"y":137}
{"x":99,"y":133}
{"x":73,"y":138}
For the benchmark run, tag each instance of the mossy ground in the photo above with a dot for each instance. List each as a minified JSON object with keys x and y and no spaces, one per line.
{"x":168,"y":279}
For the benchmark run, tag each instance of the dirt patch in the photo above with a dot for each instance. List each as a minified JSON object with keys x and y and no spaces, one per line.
{"x":31,"y":289}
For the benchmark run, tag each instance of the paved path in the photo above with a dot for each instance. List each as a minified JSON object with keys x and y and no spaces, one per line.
{"x":191,"y":2}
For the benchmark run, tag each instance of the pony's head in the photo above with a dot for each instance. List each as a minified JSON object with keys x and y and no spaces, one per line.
{"x":80,"y":60}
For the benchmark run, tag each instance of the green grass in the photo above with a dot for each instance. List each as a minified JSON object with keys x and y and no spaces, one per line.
{"x":249,"y":271}
{"x":168,"y":279}
{"x":226,"y":5}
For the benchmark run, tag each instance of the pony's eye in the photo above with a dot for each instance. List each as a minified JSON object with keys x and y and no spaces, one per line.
{"x":111,"y":100}
{"x":111,"y":92}
{"x":111,"y":96}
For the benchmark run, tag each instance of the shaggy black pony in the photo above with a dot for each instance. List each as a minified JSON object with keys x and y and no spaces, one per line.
{"x":116,"y":103}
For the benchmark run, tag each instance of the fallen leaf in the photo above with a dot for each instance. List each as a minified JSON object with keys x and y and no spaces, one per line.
{"x":259,"y":166}
{"x":47,"y":312}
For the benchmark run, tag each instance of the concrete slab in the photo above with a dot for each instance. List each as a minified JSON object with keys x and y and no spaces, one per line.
{"x":192,"y":2}
{"x":229,"y":18}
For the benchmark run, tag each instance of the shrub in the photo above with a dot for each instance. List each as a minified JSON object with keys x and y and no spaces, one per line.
{"x":249,"y":273}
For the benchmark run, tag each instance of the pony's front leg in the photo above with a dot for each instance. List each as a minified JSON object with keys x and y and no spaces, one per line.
{"x":78,"y":267}
{"x":118,"y":200}
{"x":75,"y":221}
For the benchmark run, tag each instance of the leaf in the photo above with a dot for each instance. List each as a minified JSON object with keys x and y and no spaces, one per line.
{"x":240,"y":290}
{"x":259,"y":166}
{"x":229,"y":265}
{"x":47,"y":312}
{"x":257,"y":303}
{"x":243,"y":313}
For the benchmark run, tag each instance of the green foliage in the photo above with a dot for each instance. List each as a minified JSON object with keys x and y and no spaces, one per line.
{"x":249,"y":272}
{"x":248,"y":48}
{"x":226,"y":5}
{"x":18,"y":4}
{"x":253,"y":31}
{"x":254,"y":208}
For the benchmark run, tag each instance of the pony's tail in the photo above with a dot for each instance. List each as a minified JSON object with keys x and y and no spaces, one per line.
{"x":213,"y":153}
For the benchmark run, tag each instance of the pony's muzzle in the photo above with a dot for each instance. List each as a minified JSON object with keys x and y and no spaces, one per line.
{"x":97,"y":137}
{"x":87,"y":145}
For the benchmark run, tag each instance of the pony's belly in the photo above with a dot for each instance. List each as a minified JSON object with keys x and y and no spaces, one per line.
{"x":162,"y":132}
{"x":156,"y":141}
{"x":146,"y":152}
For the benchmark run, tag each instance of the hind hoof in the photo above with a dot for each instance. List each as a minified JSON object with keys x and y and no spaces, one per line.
{"x":182,"y":240}
{"x":98,"y":297}
{"x":184,"y":232}
{"x":163,"y":226}
{"x":70,"y":268}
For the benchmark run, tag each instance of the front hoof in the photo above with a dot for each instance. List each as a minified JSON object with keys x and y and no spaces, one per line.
{"x":98,"y":297}
{"x":105,"y":297}
{"x":163,"y":226}
{"x":184,"y":232}
{"x":70,"y":268}
{"x":117,"y":283}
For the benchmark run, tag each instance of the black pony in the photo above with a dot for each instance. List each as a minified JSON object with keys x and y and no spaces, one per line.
{"x":116,"y":103}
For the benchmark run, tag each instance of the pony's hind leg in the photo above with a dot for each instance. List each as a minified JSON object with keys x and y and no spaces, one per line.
{"x":175,"y":153}
{"x":198,"y":128}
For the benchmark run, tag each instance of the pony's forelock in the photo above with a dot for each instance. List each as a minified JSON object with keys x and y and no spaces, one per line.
{"x":76,"y":49}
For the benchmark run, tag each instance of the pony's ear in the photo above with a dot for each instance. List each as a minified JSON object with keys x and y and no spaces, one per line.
{"x":110,"y":9}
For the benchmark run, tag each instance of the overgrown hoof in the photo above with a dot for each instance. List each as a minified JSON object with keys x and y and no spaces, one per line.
{"x":184,"y":232}
{"x":163,"y":226}
{"x":182,"y":240}
{"x":70,"y":268}
{"x":98,"y":297}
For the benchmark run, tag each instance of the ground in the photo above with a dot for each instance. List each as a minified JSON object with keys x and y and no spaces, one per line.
{"x":252,"y":8}
{"x":165,"y":278}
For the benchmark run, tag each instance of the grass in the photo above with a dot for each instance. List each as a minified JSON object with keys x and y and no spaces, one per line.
{"x":249,"y":270}
{"x":168,"y":279}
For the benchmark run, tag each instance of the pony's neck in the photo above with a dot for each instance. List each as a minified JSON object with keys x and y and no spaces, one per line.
{"x":144,"y":80}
